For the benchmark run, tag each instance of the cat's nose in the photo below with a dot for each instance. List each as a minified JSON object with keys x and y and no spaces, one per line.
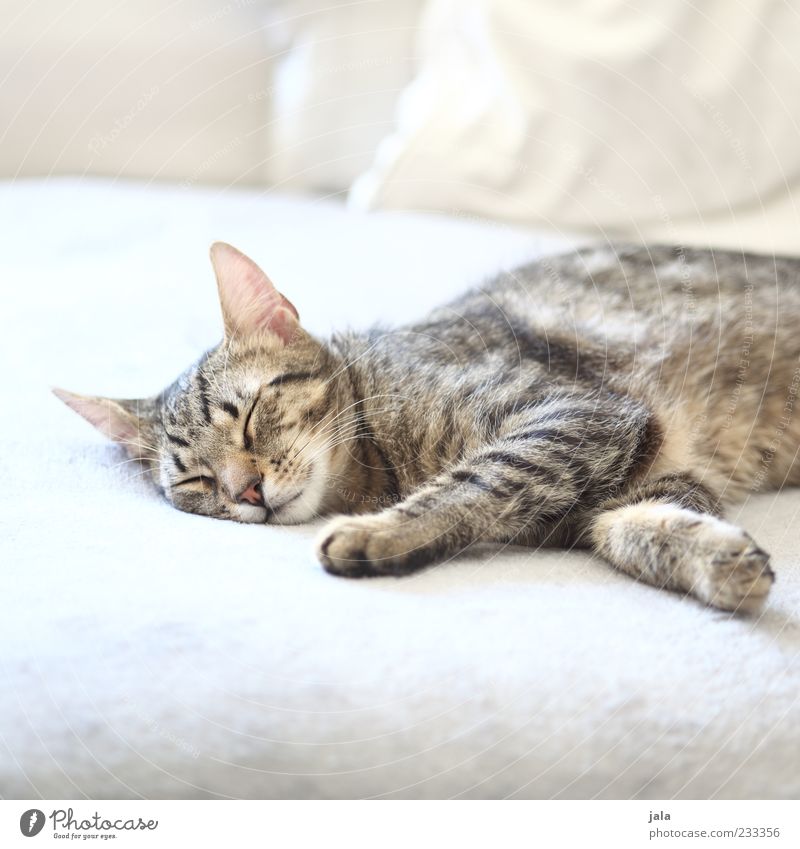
{"x":252,"y":493}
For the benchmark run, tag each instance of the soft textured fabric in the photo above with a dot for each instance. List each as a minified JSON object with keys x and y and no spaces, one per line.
{"x":668,"y":120}
{"x":145,"y":652}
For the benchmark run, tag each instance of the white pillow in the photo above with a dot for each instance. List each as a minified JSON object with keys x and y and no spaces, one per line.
{"x":649,"y":119}
{"x":341,"y":67}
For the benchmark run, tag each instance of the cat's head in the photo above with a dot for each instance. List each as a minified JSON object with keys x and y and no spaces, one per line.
{"x":254,"y":431}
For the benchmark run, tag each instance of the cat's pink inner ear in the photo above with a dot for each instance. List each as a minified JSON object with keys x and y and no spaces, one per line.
{"x":250,"y":302}
{"x":109,"y":417}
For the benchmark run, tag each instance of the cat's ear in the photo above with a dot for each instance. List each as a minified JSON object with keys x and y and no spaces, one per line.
{"x":250,"y":303}
{"x":125,"y":422}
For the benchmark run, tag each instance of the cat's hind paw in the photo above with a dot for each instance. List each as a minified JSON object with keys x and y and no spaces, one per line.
{"x":370,"y":546}
{"x":737,"y":576}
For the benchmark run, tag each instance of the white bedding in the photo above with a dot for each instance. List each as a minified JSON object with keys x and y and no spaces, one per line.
{"x":145,"y":652}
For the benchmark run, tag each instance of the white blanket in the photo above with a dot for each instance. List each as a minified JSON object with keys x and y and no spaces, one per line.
{"x":145,"y":652}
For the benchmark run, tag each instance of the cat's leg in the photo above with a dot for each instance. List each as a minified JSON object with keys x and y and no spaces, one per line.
{"x":568,"y":453}
{"x":667,"y":533}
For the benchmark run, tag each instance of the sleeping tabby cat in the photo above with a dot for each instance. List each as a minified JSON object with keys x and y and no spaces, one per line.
{"x":613,"y":397}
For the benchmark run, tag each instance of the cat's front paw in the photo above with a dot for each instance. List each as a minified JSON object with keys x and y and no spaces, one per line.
{"x":372,"y":546}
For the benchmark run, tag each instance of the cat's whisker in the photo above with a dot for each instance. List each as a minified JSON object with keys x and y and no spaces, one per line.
{"x":317,"y":451}
{"x":349,"y":427}
{"x":336,"y":413}
{"x":354,"y":425}
{"x":126,"y":463}
{"x":140,"y":474}
{"x":320,"y":450}
{"x":310,"y":457}
{"x":328,"y":421}
{"x":139,"y":447}
{"x":352,"y":428}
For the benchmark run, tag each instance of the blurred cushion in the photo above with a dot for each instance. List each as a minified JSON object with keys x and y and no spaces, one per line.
{"x":155,"y":90}
{"x":655,"y":119}
{"x":340,"y":69}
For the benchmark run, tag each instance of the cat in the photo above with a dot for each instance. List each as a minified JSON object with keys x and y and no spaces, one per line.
{"x":613,"y":397}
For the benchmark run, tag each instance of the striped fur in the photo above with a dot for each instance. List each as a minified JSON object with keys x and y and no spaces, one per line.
{"x":613,"y":397}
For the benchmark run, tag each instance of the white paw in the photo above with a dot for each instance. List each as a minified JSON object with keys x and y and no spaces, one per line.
{"x":730,"y":571}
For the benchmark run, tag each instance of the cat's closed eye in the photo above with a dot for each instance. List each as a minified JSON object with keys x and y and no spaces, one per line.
{"x":247,"y":435}
{"x":198,"y":480}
